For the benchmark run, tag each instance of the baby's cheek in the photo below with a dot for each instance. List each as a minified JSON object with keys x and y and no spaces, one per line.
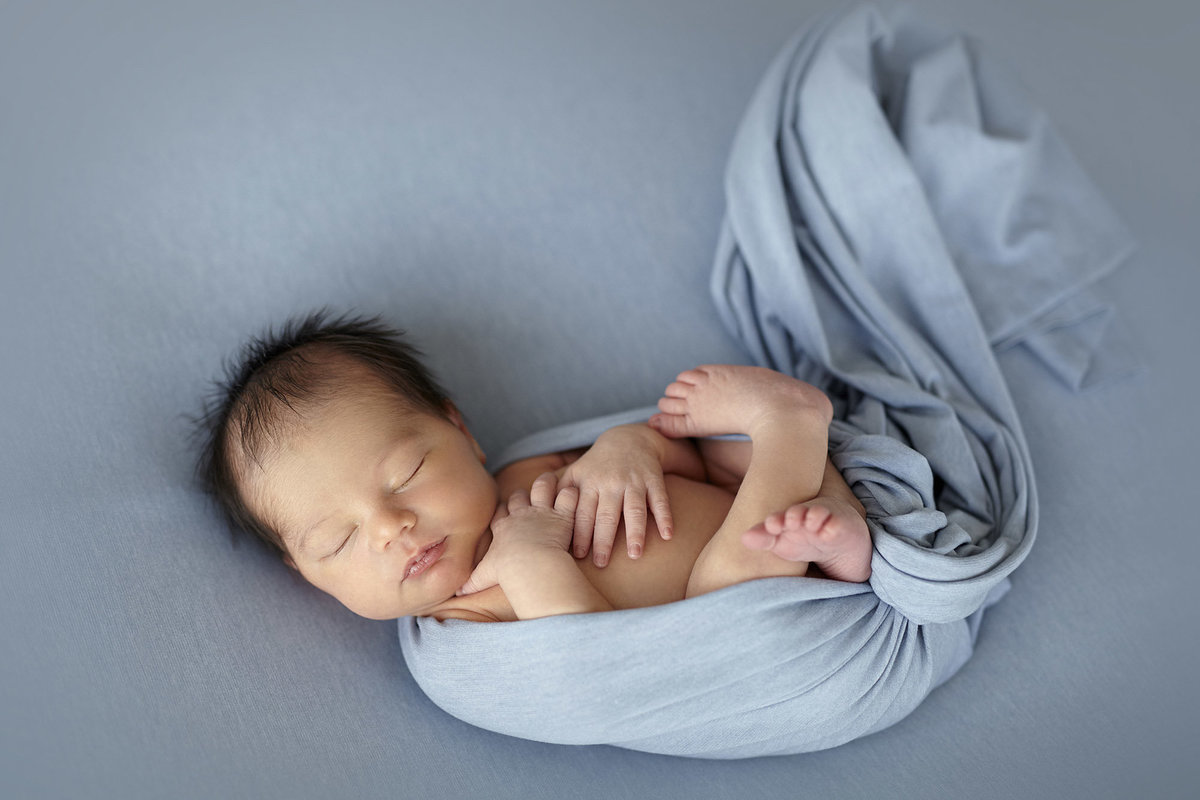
{"x":381,"y":605}
{"x":349,"y":593}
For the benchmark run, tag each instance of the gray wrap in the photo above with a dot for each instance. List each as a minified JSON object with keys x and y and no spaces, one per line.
{"x":897,"y":212}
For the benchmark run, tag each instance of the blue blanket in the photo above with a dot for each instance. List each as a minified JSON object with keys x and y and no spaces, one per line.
{"x":897,"y":212}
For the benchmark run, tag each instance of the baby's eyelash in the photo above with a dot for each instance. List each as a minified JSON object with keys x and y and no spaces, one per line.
{"x":408,"y":480}
{"x":344,"y":541}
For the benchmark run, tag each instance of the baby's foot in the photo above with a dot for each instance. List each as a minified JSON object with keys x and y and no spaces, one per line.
{"x":720,"y":398}
{"x":826,"y":531}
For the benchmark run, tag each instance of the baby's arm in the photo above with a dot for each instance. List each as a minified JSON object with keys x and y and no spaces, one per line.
{"x":528,"y":556}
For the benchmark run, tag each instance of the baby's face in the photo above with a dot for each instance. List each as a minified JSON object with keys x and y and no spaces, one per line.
{"x":384,"y":508}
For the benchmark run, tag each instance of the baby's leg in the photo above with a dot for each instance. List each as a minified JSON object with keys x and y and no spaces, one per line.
{"x":788,"y":424}
{"x":725,"y":461}
{"x":829,"y":532}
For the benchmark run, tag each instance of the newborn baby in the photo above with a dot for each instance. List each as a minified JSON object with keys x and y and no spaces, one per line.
{"x":332,"y":443}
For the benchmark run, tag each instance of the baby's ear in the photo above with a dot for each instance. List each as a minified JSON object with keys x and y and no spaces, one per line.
{"x":455,"y":417}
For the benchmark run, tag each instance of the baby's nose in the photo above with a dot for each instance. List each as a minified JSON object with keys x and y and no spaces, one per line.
{"x":393,"y":527}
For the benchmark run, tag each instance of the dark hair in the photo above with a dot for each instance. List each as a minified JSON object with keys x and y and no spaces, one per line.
{"x":289,"y":369}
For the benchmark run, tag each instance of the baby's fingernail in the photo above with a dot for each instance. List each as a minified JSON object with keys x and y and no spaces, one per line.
{"x":635,"y":551}
{"x":580,"y":552}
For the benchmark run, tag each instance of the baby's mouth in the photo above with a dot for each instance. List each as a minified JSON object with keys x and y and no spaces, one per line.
{"x":424,"y":560}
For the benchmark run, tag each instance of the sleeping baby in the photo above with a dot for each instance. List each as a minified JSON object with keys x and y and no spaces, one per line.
{"x":332,"y":443}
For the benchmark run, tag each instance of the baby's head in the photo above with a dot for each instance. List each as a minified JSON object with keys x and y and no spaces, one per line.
{"x":333,"y":444}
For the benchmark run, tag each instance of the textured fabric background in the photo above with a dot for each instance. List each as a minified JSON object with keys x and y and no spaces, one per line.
{"x":529,"y":187}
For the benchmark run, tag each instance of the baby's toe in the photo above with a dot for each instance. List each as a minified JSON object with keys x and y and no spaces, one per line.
{"x":678,"y":389}
{"x":757,"y":538}
{"x":815,"y":517}
{"x":692,"y":377}
{"x":669,"y":425}
{"x":794,"y":517}
{"x":672,"y":405}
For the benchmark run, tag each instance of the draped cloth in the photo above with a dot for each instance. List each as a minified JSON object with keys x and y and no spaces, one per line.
{"x":897,"y":213}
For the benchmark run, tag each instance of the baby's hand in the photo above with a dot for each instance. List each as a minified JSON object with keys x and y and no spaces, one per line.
{"x":620,"y":474}
{"x":539,"y":518}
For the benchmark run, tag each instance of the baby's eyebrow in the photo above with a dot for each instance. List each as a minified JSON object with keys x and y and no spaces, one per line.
{"x":302,"y":539}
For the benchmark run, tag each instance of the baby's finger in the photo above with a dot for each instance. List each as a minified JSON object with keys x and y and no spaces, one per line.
{"x":585,"y":521}
{"x":608,"y":517}
{"x":518,"y":499}
{"x":567,"y":479}
{"x":660,"y":506}
{"x":566,"y":500}
{"x":635,"y":521}
{"x":541,"y":494}
{"x":482,"y":577}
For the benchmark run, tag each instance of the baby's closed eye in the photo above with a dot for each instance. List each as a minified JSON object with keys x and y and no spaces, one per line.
{"x":342,"y":546}
{"x":410,"y":477}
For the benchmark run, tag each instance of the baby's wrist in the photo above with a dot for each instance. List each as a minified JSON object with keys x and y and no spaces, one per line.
{"x":640,"y":435}
{"x":521,"y":553}
{"x":522,"y":562}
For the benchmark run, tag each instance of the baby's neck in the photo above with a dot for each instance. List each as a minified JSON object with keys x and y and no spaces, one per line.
{"x":485,"y":542}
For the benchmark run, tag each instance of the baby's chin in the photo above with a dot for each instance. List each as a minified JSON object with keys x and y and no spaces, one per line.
{"x":435,"y":594}
{"x":442,"y":587}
